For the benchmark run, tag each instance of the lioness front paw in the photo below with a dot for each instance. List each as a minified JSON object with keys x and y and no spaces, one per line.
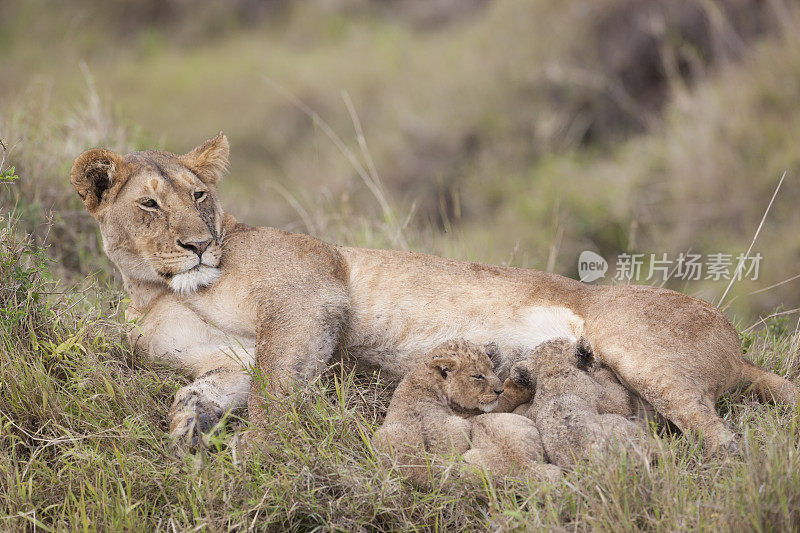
{"x":189,"y":418}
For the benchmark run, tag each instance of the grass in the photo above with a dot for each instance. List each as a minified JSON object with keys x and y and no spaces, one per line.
{"x":83,"y":436}
{"x":83,"y":444}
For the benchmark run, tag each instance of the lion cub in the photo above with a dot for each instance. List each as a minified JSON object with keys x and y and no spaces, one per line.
{"x":580,"y":410}
{"x":457,"y":376}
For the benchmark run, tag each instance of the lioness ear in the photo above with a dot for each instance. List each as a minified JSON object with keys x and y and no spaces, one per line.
{"x":209,"y":160}
{"x":96,"y":174}
{"x":442,"y":366}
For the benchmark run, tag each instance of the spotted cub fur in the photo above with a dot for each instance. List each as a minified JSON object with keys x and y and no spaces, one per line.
{"x":426,"y":414}
{"x":581,"y":410}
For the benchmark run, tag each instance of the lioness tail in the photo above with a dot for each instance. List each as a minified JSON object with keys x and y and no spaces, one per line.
{"x":769,"y":386}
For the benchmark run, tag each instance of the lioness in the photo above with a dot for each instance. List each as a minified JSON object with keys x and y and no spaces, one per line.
{"x":578,"y":415}
{"x":422,"y":417}
{"x":214,"y":296}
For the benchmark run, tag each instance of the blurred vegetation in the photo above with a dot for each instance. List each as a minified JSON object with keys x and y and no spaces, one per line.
{"x":501,"y":131}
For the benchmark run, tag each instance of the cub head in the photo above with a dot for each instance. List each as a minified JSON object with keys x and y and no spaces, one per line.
{"x":552,"y":356}
{"x":465,"y":373}
{"x":159,"y":213}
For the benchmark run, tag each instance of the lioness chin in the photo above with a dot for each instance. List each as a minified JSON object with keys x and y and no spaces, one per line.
{"x":212,"y":296}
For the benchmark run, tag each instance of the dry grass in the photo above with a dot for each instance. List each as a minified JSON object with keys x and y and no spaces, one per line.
{"x":83,"y":443}
{"x":83,"y":440}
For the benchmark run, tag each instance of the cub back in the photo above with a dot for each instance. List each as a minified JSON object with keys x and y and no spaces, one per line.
{"x":563,"y":366}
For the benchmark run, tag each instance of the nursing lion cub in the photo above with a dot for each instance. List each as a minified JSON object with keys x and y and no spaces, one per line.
{"x":426,"y":414}
{"x":581,"y":411}
{"x":212,"y":296}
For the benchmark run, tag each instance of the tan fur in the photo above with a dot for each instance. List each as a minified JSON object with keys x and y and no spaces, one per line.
{"x":581,"y":413}
{"x":422,"y":417}
{"x":289,"y":301}
{"x":598,"y":383}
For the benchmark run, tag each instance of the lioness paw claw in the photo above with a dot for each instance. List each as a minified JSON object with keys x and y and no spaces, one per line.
{"x":190,"y":418}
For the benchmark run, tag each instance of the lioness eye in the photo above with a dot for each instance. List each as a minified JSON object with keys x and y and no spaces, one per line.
{"x":480,"y":376}
{"x":150,"y":203}
{"x":199,"y":196}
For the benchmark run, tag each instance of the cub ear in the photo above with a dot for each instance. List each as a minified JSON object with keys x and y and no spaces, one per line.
{"x":442,"y":366}
{"x":209,"y":160}
{"x":522,"y":376}
{"x":584,"y":354}
{"x":96,"y":172}
{"x":493,"y":351}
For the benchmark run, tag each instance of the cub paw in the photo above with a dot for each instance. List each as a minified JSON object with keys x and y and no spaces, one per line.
{"x":513,"y":396}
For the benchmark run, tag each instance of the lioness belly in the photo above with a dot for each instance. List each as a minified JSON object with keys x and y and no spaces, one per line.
{"x":397,"y":315}
{"x":393,"y":340}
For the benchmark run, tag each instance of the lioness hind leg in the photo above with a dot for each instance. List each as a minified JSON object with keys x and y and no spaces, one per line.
{"x":682,"y":401}
{"x":700,"y":416}
{"x":682,"y":385}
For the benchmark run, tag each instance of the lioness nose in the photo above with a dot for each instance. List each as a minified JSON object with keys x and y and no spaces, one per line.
{"x":197,"y":247}
{"x":498,"y":391}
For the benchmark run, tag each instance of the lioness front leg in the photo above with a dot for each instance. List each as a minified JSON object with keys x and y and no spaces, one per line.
{"x":176,"y":335}
{"x":198,"y":407}
{"x":293,"y":345}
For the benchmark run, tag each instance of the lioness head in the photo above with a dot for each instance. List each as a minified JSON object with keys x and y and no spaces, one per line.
{"x":159,"y":213}
{"x":465,"y":373}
